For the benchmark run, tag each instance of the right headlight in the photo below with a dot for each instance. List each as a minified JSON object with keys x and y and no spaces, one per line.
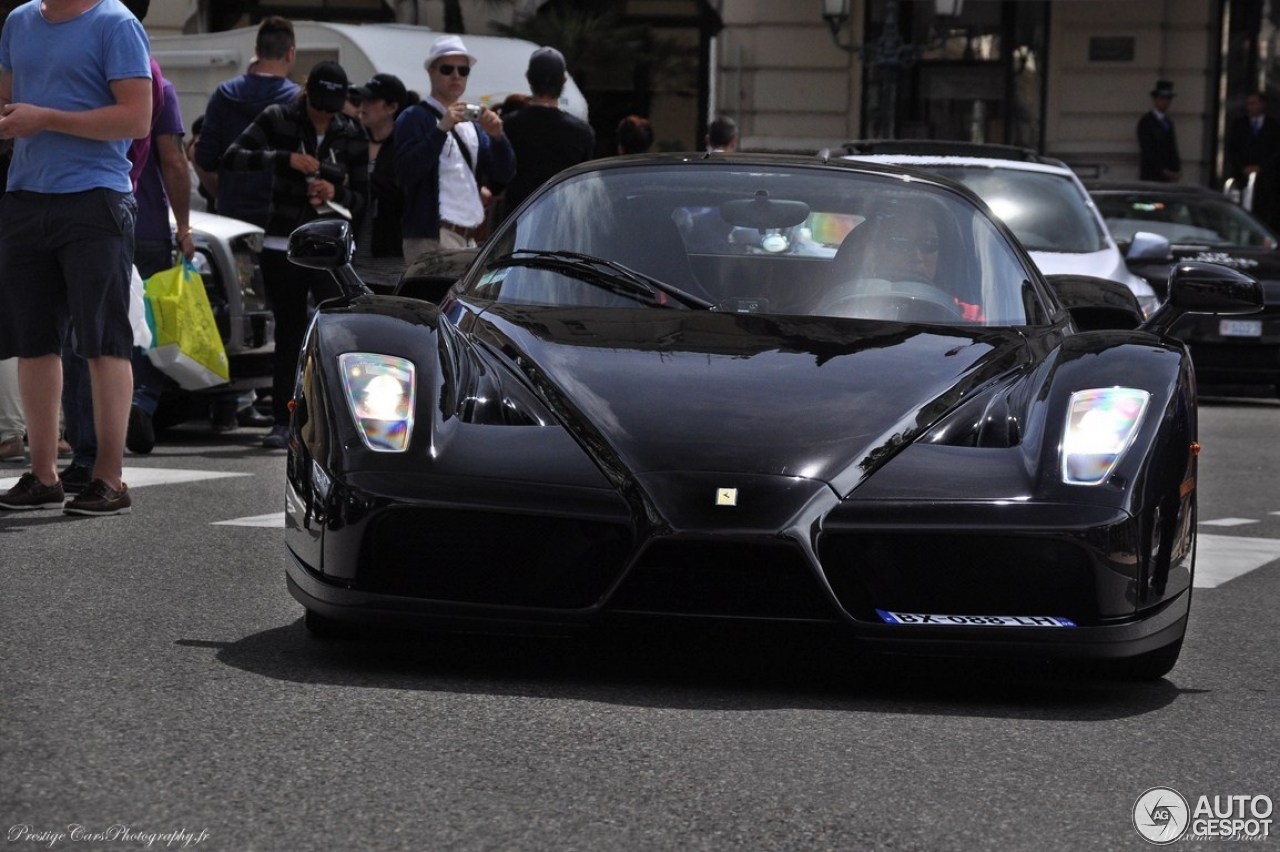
{"x":380,"y":396}
{"x":1101,"y":423}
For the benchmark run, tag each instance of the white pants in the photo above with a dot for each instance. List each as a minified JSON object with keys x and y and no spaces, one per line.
{"x":416,"y":246}
{"x":12,"y":423}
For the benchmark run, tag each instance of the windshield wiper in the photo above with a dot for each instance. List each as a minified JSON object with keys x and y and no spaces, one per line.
{"x":605,"y":274}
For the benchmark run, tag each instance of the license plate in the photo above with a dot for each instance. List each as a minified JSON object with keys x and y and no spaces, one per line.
{"x":920,"y":619}
{"x":1240,"y":328}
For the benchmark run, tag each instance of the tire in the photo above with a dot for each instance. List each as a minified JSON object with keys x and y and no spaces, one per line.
{"x":323,"y":627}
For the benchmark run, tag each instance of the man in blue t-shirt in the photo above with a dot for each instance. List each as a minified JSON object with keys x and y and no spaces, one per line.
{"x":75,"y":88}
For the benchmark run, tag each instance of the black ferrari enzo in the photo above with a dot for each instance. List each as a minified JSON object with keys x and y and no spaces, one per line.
{"x":753,"y":387}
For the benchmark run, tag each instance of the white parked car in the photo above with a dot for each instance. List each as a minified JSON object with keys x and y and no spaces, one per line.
{"x":1040,"y":198}
{"x":227,"y":254}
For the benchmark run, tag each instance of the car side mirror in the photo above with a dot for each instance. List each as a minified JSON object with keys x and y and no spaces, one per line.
{"x":327,"y":244}
{"x":1148,"y":246}
{"x":1196,"y":287}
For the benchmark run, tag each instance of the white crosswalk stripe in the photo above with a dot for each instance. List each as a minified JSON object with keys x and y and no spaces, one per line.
{"x":141,"y":477}
{"x":275,"y":519}
{"x":1220,"y":558}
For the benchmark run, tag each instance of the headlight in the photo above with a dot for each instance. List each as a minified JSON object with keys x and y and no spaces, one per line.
{"x":1101,"y":423}
{"x":380,"y":394}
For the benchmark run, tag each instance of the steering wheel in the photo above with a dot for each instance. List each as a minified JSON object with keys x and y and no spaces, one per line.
{"x":907,"y":301}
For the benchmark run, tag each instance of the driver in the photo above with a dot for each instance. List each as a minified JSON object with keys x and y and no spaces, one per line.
{"x":901,"y":247}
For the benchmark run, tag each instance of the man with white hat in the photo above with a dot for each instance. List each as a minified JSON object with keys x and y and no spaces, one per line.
{"x":440,"y":149}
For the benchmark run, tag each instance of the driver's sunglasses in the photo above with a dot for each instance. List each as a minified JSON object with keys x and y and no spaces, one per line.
{"x":905,"y":245}
{"x":447,"y":70}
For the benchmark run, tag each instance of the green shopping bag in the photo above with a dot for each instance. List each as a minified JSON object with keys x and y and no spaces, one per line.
{"x":185,"y":345}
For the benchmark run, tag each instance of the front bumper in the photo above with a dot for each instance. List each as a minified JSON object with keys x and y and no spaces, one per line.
{"x":516,"y":558}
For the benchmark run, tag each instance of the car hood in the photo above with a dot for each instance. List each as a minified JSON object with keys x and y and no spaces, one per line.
{"x":818,"y":398}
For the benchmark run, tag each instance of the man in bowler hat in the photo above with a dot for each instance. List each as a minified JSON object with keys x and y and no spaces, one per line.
{"x":1157,"y":141}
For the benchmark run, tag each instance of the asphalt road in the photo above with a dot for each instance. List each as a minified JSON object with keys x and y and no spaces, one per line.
{"x":158,"y":690}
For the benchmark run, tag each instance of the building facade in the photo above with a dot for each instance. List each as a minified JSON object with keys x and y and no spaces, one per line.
{"x":1066,"y":77}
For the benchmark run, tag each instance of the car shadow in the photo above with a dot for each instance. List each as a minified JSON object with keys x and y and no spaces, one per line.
{"x":704,"y":669}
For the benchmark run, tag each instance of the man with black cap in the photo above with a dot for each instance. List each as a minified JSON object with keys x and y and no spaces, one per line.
{"x":545,"y":138}
{"x":441,"y":147}
{"x":1157,"y":142}
{"x":319,"y":159}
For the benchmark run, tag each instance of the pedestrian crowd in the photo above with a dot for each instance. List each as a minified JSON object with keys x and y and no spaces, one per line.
{"x":92,"y":148}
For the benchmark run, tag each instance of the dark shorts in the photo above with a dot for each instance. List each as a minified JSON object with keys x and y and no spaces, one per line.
{"x":66,"y":262}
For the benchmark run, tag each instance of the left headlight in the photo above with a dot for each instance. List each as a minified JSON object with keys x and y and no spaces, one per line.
{"x":380,"y":395}
{"x":1101,"y":423}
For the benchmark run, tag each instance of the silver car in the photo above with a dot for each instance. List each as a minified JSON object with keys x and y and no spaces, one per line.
{"x":1041,"y":200}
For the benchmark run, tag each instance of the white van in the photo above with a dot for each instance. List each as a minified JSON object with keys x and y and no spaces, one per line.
{"x":197,"y":63}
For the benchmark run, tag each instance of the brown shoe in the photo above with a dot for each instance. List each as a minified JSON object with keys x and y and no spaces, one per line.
{"x":12,"y":450}
{"x":100,"y":499}
{"x":64,"y":449}
{"x":31,"y":493}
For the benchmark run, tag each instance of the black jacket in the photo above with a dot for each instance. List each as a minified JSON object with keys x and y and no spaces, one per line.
{"x":284,"y":129}
{"x":1158,"y":147}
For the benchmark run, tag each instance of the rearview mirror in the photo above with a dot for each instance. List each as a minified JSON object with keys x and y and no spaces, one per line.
{"x":1196,"y":287}
{"x":764,"y":213}
{"x":327,"y":244}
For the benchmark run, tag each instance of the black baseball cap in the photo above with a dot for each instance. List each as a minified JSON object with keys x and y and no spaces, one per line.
{"x":382,"y":87}
{"x":546,"y":67}
{"x":327,"y":86}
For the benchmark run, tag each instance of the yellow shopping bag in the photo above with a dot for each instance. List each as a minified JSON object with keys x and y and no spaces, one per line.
{"x":185,"y":343}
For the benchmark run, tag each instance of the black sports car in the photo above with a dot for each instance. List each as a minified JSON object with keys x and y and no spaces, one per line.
{"x":772,"y":388}
{"x":1204,"y":225}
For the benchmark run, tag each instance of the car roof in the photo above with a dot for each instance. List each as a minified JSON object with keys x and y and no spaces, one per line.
{"x":933,"y":150}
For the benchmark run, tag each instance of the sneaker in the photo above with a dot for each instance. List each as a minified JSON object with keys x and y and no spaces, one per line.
{"x":31,"y":493}
{"x":100,"y":499}
{"x":253,"y":418}
{"x":64,"y":449}
{"x":141,"y":436}
{"x":12,"y":450}
{"x":75,"y":478}
{"x":277,"y":438}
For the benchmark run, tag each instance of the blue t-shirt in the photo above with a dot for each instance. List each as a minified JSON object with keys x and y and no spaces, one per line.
{"x":70,"y":66}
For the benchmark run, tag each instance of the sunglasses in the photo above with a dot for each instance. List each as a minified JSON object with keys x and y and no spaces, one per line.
{"x":447,"y":70}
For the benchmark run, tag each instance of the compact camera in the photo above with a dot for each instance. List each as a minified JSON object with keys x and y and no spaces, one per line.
{"x":471,"y":112}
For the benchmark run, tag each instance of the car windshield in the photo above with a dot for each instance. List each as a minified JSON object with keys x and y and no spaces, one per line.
{"x":1048,"y":212}
{"x":759,"y":239}
{"x":1186,"y":220}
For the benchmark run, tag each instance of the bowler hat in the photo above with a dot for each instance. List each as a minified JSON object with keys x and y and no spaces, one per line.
{"x":1163,"y":89}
